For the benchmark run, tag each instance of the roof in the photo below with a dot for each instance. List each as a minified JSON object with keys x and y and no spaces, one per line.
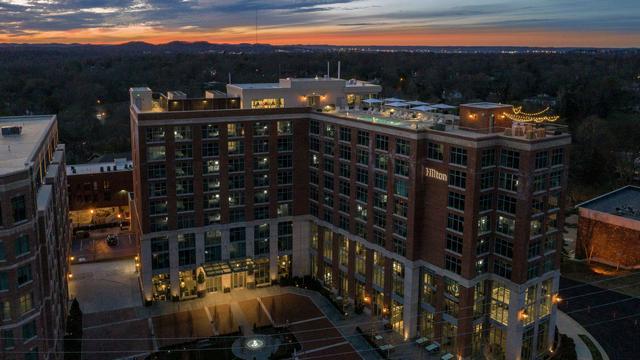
{"x":623,"y":202}
{"x":17,"y":151}
{"x":486,"y":105}
{"x":101,"y":167}
{"x":257,"y":86}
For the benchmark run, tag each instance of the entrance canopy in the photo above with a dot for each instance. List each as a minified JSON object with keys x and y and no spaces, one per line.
{"x":215,"y":269}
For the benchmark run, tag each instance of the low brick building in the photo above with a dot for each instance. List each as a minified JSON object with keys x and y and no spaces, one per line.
{"x":609,"y":228}
{"x":98,"y":185}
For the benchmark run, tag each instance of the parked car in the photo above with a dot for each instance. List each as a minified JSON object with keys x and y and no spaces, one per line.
{"x":112,"y":240}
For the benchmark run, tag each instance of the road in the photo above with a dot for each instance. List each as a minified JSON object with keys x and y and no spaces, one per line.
{"x":612,"y":318}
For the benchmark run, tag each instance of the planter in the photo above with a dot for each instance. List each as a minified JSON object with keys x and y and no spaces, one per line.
{"x":202,"y":293}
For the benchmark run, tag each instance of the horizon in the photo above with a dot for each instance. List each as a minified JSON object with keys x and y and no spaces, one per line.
{"x":490,"y":23}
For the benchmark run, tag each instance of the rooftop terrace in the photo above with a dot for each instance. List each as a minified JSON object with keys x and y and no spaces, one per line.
{"x":623,"y":202}
{"x":17,"y":151}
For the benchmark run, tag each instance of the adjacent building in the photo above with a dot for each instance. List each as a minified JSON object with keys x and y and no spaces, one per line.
{"x":34,"y":238}
{"x":449,"y":228}
{"x":609,"y":228}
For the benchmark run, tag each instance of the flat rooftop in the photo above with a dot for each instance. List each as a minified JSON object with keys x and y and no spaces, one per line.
{"x":624,"y":202}
{"x":257,"y":86}
{"x":17,"y":151}
{"x":100,"y":167}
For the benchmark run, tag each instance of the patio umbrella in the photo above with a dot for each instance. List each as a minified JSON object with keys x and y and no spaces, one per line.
{"x":397,"y":104}
{"x":372,"y":101}
{"x":417,"y":103}
{"x":391,"y":100}
{"x":443,"y":106}
{"x":423,"y":108}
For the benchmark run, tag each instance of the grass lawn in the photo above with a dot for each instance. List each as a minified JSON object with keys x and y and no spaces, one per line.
{"x":595,"y":353}
{"x":623,"y":281}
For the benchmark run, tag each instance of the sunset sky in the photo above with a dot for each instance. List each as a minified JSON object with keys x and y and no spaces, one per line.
{"x":597,"y":23}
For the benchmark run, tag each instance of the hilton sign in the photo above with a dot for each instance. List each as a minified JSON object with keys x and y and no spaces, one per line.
{"x":435,"y":174}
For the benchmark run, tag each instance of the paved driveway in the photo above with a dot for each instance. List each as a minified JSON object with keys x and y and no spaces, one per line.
{"x":616,"y":326}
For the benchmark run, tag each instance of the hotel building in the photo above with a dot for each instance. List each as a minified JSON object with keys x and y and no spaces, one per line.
{"x":34,"y":239}
{"x":447,"y":227}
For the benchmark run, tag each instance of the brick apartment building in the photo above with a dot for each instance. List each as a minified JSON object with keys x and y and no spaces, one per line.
{"x":34,"y":238}
{"x":447,"y":226}
{"x":100,"y":184}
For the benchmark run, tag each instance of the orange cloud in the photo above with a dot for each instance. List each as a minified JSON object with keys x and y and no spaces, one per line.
{"x":334,"y":35}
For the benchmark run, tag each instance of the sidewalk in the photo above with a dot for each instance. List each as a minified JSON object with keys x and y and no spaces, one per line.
{"x":566,"y":325}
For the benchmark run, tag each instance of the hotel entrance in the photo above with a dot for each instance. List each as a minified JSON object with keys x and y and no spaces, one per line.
{"x":188,"y":287}
{"x":161,"y":287}
{"x":284,"y":266}
{"x":397,"y":320}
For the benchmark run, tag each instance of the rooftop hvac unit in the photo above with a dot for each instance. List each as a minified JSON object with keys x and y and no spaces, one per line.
{"x":11,"y":130}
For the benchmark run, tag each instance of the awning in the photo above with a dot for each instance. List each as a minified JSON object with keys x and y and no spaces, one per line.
{"x":423,"y":108}
{"x":216,"y":269}
{"x":443,"y":106}
{"x":241,"y":265}
{"x":397,"y":104}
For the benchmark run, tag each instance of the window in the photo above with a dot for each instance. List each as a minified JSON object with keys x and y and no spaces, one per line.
{"x":24,"y":274}
{"x":186,"y":249}
{"x":453,"y":264}
{"x":25,"y":303}
{"x":400,"y":208}
{"x":285,"y":144}
{"x":539,"y":183}
{"x":155,"y":134}
{"x":510,"y":159}
{"x":236,"y":164}
{"x":403,"y":147}
{"x":158,"y":188}
{"x":379,"y":238}
{"x":503,"y":247}
{"x":184,"y":168}
{"x":156,"y":153}
{"x":4,"y":281}
{"x":260,"y":129}
{"x":488,"y":158}
{"x":455,"y":222}
{"x":237,"y":246}
{"x":235,"y":130}
{"x":22,"y":245}
{"x":508,"y":181}
{"x":542,"y":160}
{"x":362,"y":194}
{"x":29,"y":331}
{"x":285,"y":194}
{"x":184,"y":186}
{"x":502,"y":268}
{"x":284,"y":178}
{"x":362,"y":157}
{"x":401,"y":188}
{"x":534,"y":250}
{"x":155,"y":171}
{"x":500,"y":296}
{"x":182,"y":133}
{"x":380,"y":181}
{"x":212,"y":246}
{"x":536,"y":228}
{"x":555,"y":179}
{"x":400,"y":246}
{"x":401,"y":167}
{"x":486,"y":202}
{"x":484,"y":224}
{"x":261,"y":239}
{"x":329,"y":130}
{"x":184,"y":204}
{"x":380,"y":219}
{"x":505,"y":225}
{"x":210,"y":131}
{"x":285,"y":127}
{"x":458,"y":178}
{"x":314,"y":127}
{"x":345,"y":152}
{"x":454,"y":243}
{"x":210,"y":149}
{"x":285,"y":236}
{"x":557,"y":157}
{"x":285,"y":161}
{"x":380,"y":200}
{"x":382,"y":142}
{"x":235,"y":147}
{"x":363,"y":138}
{"x":236,"y":215}
{"x":184,"y":151}
{"x":362,"y":176}
{"x":458,"y":156}
{"x":400,"y":227}
{"x":19,"y":208}
{"x":343,"y":188}
{"x":487,"y":180}
{"x":381,"y":161}
{"x":9,"y":340}
{"x":345,"y":134}
{"x":435,"y":151}
{"x":456,"y":201}
{"x":506,"y":204}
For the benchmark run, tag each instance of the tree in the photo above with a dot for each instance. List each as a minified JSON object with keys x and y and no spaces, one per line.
{"x":73,"y":337}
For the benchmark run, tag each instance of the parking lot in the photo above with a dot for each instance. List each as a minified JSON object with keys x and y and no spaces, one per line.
{"x":89,"y":246}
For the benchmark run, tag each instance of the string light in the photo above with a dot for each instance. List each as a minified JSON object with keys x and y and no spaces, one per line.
{"x":536,"y":117}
